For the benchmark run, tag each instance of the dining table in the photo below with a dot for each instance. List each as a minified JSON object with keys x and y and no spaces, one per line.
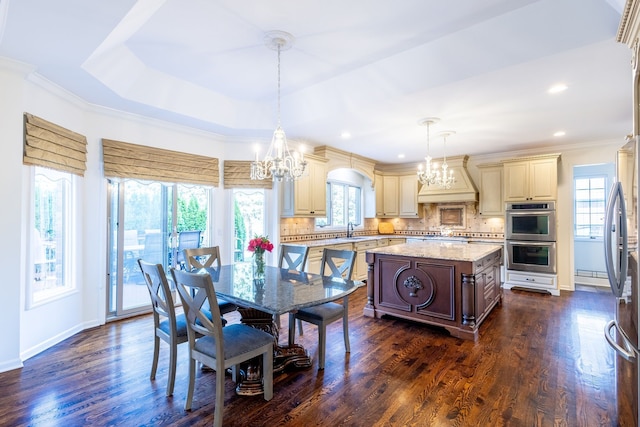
{"x":262,"y":301}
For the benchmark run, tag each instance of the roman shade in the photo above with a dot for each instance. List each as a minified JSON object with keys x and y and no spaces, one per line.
{"x":237,"y":174}
{"x":52,"y":146}
{"x":125,"y":160}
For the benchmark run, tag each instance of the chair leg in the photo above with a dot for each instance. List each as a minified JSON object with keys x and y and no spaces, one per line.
{"x":267,"y":373}
{"x":300,"y":327}
{"x":156,"y":351}
{"x":322,"y":333}
{"x":192,"y":380}
{"x":219,"y":410}
{"x":173,"y":356}
{"x":345,"y":329}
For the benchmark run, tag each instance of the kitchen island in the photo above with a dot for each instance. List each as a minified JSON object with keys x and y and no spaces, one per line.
{"x":451,"y":285}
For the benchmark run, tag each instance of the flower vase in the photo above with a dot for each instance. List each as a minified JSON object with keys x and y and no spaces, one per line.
{"x":258,"y":266}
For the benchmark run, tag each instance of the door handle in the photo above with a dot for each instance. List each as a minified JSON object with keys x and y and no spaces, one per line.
{"x":629,"y":352}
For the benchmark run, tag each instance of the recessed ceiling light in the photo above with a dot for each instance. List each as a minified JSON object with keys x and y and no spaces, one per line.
{"x":345,"y":135}
{"x":401,"y":156}
{"x":560,"y":87}
{"x":559,"y":133}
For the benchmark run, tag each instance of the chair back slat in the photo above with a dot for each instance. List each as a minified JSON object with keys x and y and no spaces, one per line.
{"x":159,"y":289}
{"x":340,"y":263}
{"x":293,"y":257}
{"x":198,"y":295}
{"x":202,"y":257}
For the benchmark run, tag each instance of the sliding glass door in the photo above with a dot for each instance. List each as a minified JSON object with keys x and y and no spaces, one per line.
{"x":152,"y":221}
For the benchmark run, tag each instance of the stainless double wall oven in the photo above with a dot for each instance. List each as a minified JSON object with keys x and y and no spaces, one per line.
{"x":531,"y":236}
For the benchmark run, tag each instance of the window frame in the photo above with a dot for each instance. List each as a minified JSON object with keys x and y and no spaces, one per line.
{"x":330,"y":223}
{"x":68,"y":250}
{"x":591,"y":225}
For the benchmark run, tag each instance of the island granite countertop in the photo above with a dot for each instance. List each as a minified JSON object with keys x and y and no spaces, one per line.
{"x":439,"y":250}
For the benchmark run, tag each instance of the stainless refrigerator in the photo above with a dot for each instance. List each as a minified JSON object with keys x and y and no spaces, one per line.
{"x":621,"y":257}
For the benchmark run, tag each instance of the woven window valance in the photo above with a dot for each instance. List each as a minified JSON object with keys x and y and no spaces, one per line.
{"x":52,"y":146}
{"x":125,"y":160}
{"x":237,"y":175}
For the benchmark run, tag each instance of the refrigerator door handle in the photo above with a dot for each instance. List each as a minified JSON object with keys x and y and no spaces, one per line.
{"x":629,"y":352}
{"x":616,"y":280}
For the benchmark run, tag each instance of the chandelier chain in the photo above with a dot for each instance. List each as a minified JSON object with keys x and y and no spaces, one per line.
{"x":279,"y":163}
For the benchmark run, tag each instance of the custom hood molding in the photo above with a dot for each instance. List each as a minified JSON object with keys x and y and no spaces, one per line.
{"x":463,"y":190}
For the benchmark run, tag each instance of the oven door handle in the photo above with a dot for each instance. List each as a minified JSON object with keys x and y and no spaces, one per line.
{"x":629,"y":352}
{"x":525,"y":212}
{"x":531,"y":242}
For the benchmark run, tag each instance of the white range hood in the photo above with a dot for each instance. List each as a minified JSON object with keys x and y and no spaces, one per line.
{"x":463,"y":190}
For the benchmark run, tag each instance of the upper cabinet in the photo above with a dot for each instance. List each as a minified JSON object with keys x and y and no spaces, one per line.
{"x":396,"y":196}
{"x":531,"y":178}
{"x":390,"y":196}
{"x":408,"y":198}
{"x":307,"y":196}
{"x":491,"y":200}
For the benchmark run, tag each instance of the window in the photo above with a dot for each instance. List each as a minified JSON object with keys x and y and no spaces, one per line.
{"x":154,"y":221}
{"x":52,"y":196}
{"x":589,"y":206}
{"x":344,"y":203}
{"x":248,"y":219}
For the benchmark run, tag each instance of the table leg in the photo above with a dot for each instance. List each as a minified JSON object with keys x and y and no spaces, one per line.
{"x":294,"y":355}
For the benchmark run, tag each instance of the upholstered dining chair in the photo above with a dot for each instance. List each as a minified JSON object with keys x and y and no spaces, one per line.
{"x":219,"y":348}
{"x":339,"y":264}
{"x":168,"y":326}
{"x":207,"y":257}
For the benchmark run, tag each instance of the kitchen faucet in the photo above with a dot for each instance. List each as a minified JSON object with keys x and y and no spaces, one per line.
{"x":350,"y":229}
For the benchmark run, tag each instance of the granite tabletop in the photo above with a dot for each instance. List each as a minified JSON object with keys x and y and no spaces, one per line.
{"x":280,"y":292}
{"x":439,"y":250}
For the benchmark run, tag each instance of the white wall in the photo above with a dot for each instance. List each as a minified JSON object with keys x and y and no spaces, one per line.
{"x":13,"y":251}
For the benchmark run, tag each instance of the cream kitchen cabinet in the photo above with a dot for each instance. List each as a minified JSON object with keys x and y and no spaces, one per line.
{"x":397,"y":196}
{"x":360,"y":272}
{"x":390,"y":196}
{"x":408,"y":198}
{"x":491,"y":199}
{"x":533,"y":178}
{"x":307,"y":196}
{"x":397,"y":241}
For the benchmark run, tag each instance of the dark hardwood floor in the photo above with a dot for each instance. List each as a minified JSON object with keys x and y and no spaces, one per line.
{"x":540,"y":361}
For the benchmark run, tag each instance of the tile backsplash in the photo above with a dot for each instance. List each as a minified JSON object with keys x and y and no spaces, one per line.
{"x":472,"y":224}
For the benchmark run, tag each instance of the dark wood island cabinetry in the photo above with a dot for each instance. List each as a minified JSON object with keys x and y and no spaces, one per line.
{"x":445,"y":284}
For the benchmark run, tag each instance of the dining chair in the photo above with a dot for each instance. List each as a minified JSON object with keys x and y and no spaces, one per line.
{"x":339,"y":264}
{"x":186,"y":240}
{"x":167,"y":326}
{"x":207,"y":257}
{"x":292,"y":257}
{"x":219,"y":348}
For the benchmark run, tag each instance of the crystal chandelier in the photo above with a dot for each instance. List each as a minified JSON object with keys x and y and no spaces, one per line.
{"x":428,"y":175}
{"x":279,"y":163}
{"x":446,"y":179}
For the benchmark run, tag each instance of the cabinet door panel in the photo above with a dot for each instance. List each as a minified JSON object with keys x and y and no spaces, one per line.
{"x":516,"y":181}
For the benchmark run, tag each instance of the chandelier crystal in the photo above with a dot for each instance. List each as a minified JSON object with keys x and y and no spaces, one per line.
{"x":279,"y":163}
{"x":428,"y":175}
